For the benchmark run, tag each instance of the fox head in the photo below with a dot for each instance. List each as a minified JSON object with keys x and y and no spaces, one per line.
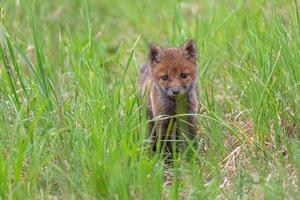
{"x":174,"y":70}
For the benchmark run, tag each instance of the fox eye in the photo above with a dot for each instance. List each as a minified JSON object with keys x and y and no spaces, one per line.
{"x":165,"y":77}
{"x":184,"y":75}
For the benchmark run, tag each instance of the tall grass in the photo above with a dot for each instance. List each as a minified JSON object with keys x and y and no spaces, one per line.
{"x":70,"y":116}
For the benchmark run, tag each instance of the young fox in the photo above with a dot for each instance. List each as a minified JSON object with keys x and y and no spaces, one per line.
{"x":168,"y":83}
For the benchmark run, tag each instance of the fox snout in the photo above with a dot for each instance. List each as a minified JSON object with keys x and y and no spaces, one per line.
{"x":175,"y":92}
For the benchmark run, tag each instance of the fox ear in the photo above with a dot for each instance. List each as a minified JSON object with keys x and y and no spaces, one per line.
{"x":189,"y":50}
{"x":155,"y":53}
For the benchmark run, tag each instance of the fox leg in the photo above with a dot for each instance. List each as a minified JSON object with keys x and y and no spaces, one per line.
{"x":164,"y":135}
{"x":193,"y":127}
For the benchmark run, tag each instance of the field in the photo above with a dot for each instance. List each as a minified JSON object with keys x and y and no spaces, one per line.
{"x":71,"y":122}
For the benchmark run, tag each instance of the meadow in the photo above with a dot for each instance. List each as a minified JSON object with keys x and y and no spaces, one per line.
{"x":71,"y":122}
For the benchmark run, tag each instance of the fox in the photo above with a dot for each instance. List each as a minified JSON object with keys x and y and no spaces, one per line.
{"x":168,"y":85}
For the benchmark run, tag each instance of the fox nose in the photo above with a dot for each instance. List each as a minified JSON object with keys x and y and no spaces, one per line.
{"x":176,"y":91}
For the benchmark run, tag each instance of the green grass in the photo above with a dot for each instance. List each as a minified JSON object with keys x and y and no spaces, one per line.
{"x":71,"y":125}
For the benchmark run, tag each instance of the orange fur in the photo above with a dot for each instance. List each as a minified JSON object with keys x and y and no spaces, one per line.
{"x":170,"y":79}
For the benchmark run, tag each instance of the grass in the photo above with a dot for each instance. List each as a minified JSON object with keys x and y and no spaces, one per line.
{"x":70,"y":117}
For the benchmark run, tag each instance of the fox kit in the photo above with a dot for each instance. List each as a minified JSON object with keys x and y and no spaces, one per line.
{"x":168,"y":84}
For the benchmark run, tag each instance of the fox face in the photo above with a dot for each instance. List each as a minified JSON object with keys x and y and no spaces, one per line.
{"x":174,"y":70}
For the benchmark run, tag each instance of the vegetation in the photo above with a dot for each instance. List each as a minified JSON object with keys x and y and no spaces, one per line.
{"x":70,"y":116}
